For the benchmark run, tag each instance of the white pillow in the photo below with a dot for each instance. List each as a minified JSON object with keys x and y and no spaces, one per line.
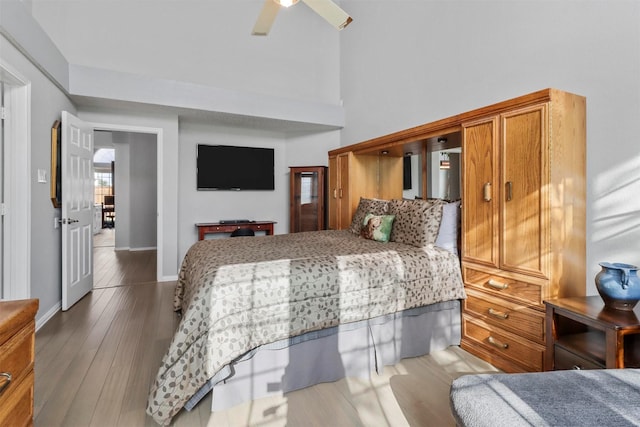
{"x":448,"y":232}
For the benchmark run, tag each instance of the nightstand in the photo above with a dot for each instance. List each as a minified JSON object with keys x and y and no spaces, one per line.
{"x":583,"y":334}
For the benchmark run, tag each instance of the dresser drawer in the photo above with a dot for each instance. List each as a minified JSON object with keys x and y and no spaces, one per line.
{"x":16,"y":408}
{"x":504,"y":286}
{"x":495,"y":340}
{"x":16,"y":358}
{"x":563,"y":359}
{"x":513,"y":317}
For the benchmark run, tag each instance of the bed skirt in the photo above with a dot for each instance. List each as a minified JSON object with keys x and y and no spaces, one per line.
{"x":352,"y":350}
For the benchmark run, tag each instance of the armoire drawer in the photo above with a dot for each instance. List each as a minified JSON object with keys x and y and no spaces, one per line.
{"x":517,"y":318}
{"x":504,"y":286}
{"x":495,"y":340}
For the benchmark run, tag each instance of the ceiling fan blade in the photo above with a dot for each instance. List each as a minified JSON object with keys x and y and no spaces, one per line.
{"x":331,"y":12}
{"x":266,"y":18}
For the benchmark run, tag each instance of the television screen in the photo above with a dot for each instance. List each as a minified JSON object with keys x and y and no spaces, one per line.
{"x":223,"y":167}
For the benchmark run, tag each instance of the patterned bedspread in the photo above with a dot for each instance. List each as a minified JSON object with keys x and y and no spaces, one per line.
{"x":237,"y":294}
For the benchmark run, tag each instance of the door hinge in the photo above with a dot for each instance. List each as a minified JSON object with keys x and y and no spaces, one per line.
{"x":3,"y":113}
{"x":3,"y":209}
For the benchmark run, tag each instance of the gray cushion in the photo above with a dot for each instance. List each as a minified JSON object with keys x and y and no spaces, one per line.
{"x":602,"y":397}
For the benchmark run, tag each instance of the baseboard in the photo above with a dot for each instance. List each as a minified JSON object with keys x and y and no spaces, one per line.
{"x":48,"y":315}
{"x":150,"y":248}
{"x":168,"y":278}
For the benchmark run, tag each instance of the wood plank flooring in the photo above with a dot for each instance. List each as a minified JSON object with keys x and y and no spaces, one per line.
{"x":95,"y":364}
{"x":120,"y":268}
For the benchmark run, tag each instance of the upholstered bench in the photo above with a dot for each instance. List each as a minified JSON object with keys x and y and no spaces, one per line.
{"x":608,"y":397}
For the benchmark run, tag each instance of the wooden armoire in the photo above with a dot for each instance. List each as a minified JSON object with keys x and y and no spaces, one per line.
{"x":523,"y":212}
{"x":524,"y":225}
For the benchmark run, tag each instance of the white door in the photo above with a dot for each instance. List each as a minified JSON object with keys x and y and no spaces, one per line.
{"x":77,"y":209}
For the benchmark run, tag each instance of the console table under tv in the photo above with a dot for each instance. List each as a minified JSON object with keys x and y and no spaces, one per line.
{"x":229,"y":227}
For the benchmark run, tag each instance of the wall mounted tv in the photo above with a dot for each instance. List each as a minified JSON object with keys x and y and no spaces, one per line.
{"x":223,"y":167}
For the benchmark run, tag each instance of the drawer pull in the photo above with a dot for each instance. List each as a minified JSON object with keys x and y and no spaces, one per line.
{"x":497,"y":285}
{"x":7,"y":381}
{"x":498,"y":314}
{"x":486,"y":192}
{"x":497,"y":343}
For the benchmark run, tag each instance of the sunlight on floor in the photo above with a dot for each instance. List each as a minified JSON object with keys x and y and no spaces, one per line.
{"x":411,"y":392}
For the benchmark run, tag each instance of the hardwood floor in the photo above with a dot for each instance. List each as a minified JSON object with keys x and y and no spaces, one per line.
{"x":120,"y":268}
{"x":95,"y":364}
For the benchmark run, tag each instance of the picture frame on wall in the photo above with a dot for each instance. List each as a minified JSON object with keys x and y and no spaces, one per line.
{"x":56,"y":158}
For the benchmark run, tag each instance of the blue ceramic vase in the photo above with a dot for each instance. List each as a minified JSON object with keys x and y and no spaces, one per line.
{"x":619,"y":285}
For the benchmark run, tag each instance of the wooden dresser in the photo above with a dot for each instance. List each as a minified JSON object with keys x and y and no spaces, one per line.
{"x":17,"y":355}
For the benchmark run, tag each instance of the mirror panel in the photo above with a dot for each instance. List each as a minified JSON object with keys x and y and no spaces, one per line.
{"x":442,"y":172}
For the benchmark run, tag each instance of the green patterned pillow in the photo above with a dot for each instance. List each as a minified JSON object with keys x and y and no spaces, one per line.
{"x":377,"y":227}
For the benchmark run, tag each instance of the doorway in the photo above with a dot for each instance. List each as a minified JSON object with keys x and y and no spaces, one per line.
{"x":136,"y":179}
{"x":15,"y":193}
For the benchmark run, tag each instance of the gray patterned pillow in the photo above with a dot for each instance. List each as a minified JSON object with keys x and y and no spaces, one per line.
{"x":417,"y":221}
{"x":366,"y":206}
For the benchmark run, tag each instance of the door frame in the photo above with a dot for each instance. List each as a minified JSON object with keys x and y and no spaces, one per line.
{"x":16,"y":280}
{"x":158,"y":132}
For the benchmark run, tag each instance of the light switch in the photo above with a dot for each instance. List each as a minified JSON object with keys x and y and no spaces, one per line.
{"x":42,"y":175}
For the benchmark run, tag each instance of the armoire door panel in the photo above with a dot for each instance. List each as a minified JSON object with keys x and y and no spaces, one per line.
{"x":344,"y":189}
{"x":481,"y":192}
{"x":332,"y":197}
{"x":524,"y":203}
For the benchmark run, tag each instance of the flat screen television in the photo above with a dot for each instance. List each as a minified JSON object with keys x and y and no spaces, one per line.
{"x":224,"y":167}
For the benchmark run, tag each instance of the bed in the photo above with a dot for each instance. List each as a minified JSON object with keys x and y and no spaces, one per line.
{"x":275,"y":313}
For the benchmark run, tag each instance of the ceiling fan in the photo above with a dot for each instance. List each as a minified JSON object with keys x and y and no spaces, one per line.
{"x":325,"y":8}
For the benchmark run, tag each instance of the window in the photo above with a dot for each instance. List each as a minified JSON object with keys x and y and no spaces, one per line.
{"x":103,"y":174}
{"x":103,"y":185}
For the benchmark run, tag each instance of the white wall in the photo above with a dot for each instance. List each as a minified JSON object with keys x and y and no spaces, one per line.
{"x":311,"y":149}
{"x":143,"y":189}
{"x":200,"y":41}
{"x":410,"y":62}
{"x":122,"y":184}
